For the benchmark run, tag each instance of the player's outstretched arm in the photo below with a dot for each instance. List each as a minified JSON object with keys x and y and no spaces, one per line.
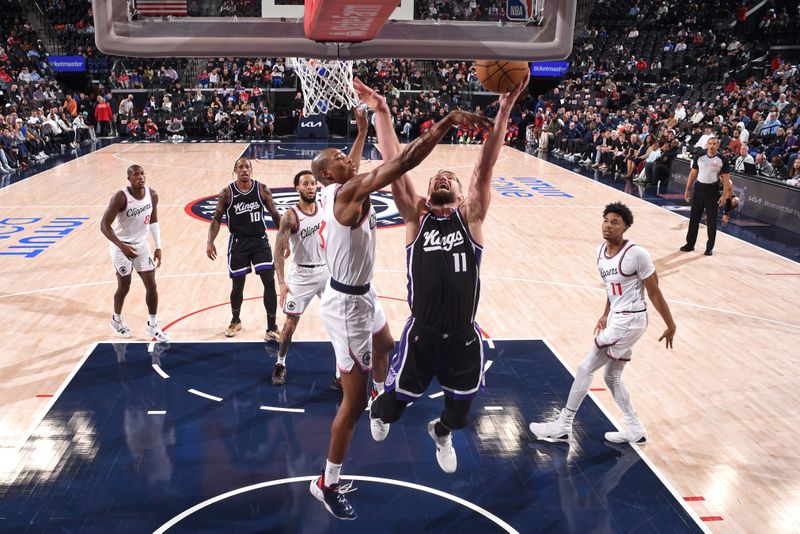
{"x":358,"y":188}
{"x":358,"y":145}
{"x":389,"y":146}
{"x":480,"y":191}
{"x":288,"y":226}
{"x":660,"y":304}
{"x":223,"y":200}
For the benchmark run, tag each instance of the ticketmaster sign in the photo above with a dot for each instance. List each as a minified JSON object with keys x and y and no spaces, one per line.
{"x":67,"y":63}
{"x":549,"y":68}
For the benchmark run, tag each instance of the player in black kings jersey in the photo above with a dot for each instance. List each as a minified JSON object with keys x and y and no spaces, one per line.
{"x":443,"y":249}
{"x":244,"y":202}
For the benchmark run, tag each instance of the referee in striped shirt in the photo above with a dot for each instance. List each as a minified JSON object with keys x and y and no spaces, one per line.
{"x":707,"y":171}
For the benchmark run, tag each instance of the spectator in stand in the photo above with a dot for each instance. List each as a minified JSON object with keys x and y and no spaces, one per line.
{"x":70,"y":106}
{"x":134,"y":129}
{"x":794,"y":174}
{"x":779,"y":170}
{"x":124,"y":112}
{"x":763,"y":167}
{"x":278,"y":71}
{"x":81,"y":130}
{"x":175,"y":130}
{"x":102,"y":113}
{"x":744,"y":157}
{"x":267,"y":119}
{"x":151,"y":130}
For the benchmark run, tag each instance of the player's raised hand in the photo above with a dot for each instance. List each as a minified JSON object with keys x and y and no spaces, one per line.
{"x":211,"y":251}
{"x":508,"y":99}
{"x":369,"y":96}
{"x":361,"y":119}
{"x":469,"y":119}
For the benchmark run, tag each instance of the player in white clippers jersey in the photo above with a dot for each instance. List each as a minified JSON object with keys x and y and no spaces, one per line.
{"x":348,"y":304}
{"x":627,"y":271}
{"x":133,"y":211}
{"x":300,"y":230}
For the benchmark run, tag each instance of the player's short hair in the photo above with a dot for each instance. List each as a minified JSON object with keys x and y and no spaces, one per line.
{"x":300,"y":175}
{"x":622,"y":210}
{"x":249,"y":162}
{"x":134,"y":168}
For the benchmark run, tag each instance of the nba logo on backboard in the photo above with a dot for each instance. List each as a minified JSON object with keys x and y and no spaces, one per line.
{"x":518,"y":9}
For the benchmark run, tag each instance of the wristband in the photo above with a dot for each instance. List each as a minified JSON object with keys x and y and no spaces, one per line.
{"x":155,"y":231}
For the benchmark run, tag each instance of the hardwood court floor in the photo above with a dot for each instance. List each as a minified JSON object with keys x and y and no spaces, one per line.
{"x":719,"y":407}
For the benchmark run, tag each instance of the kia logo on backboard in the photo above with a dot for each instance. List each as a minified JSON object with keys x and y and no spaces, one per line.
{"x":386,"y":211}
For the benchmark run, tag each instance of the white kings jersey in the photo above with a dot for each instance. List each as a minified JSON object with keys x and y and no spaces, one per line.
{"x":132,"y":222}
{"x":305,"y":240}
{"x":623,"y":274}
{"x":349,"y":251}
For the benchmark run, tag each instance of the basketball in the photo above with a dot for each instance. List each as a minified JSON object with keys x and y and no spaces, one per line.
{"x":501,"y":76}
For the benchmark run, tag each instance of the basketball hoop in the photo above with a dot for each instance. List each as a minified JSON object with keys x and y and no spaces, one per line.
{"x":327,"y":84}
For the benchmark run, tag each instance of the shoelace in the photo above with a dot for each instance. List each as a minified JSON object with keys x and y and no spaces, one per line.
{"x":346,"y":488}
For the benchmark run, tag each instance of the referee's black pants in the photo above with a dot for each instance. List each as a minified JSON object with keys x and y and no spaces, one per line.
{"x":704,"y":198}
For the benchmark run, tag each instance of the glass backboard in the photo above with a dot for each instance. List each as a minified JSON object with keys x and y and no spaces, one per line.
{"x":468,"y":29}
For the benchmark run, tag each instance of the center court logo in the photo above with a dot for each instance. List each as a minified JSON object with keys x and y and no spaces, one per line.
{"x":387,"y":215}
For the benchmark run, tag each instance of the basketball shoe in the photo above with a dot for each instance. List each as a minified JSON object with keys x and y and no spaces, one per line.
{"x":445,"y":453}
{"x":378,"y":428}
{"x":334,"y":498}
{"x":273,"y":336}
{"x":120,"y":328}
{"x":634,"y":433}
{"x":234,"y":327}
{"x":279,"y":375}
{"x":558,"y":430}
{"x":155,"y":332}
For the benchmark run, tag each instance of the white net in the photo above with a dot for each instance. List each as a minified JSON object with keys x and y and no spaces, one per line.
{"x":327,"y":84}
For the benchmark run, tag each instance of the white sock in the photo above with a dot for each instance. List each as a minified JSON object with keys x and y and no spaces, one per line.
{"x":331,"y":473}
{"x":378,"y":387}
{"x":281,"y":360}
{"x":117,"y":317}
{"x":151,"y":320}
{"x":566,"y":416}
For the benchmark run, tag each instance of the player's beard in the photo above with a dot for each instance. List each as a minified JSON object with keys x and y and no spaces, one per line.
{"x":442,"y":197}
{"x":308,"y":199}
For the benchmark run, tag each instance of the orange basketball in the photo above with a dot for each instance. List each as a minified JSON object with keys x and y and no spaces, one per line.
{"x":501,"y":76}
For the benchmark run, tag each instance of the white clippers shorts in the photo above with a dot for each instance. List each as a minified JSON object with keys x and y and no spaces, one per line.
{"x":350,"y":321}
{"x":305,"y":283}
{"x":622,"y":332}
{"x":142,"y":263}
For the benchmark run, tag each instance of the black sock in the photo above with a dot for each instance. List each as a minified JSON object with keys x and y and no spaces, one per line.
{"x":440,"y":430}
